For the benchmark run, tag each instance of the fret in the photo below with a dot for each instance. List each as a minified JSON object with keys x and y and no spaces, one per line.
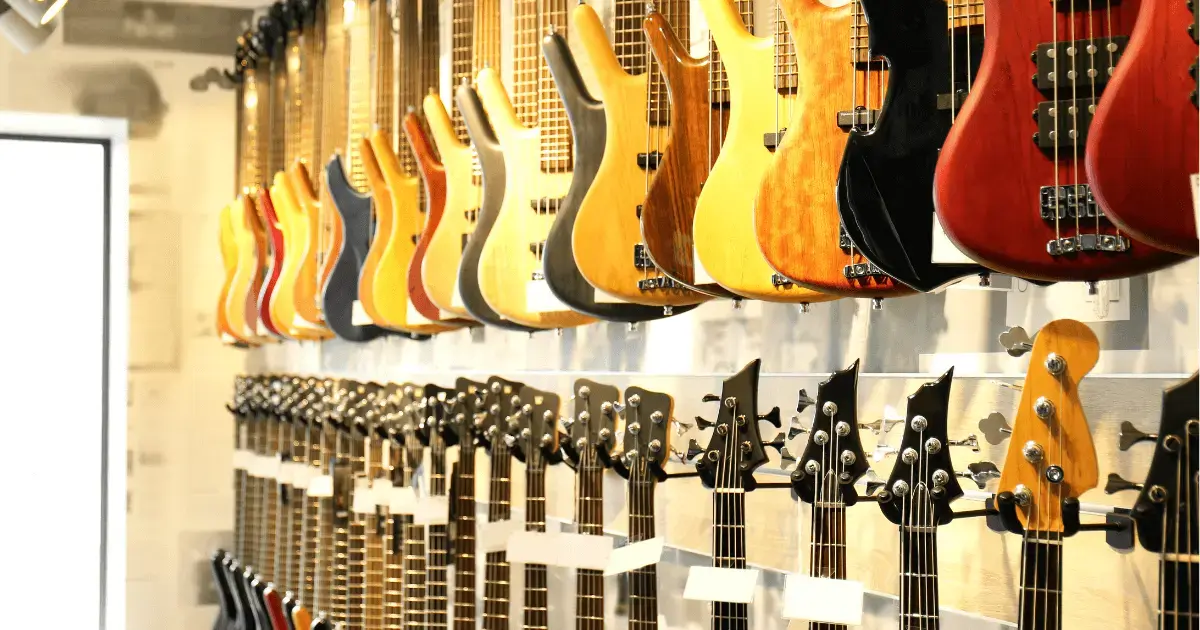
{"x":239,"y":492}
{"x":827,"y":558}
{"x":340,"y":559}
{"x":589,"y":515}
{"x":436,"y":591}
{"x":629,"y":42}
{"x":643,"y":582}
{"x":1041,"y":581}
{"x":334,"y":110}
{"x":323,"y":561}
{"x":266,"y":89}
{"x":279,"y":107}
{"x":414,"y":573}
{"x":535,"y":95}
{"x":309,"y":148}
{"x":296,"y":65}
{"x":270,"y":525}
{"x":383,"y":60}
{"x":251,"y":115}
{"x":1177,"y":594}
{"x":536,"y":589}
{"x":393,"y":590}
{"x":356,"y":552}
{"x":464,"y":540}
{"x":718,"y":80}
{"x":312,"y":527}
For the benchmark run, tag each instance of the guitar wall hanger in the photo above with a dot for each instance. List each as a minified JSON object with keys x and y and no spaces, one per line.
{"x":1118,"y":524}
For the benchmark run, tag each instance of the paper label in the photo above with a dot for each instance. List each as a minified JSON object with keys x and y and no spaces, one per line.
{"x":558,"y":549}
{"x":266,"y":466}
{"x":363,"y":499}
{"x":699,"y":275}
{"x":456,"y":300}
{"x":540,"y":299}
{"x":717,"y":584}
{"x":402,"y":500}
{"x":381,"y":492}
{"x":414,"y":317}
{"x":606,"y":298}
{"x":634,"y":556}
{"x":301,"y":474}
{"x":823,"y":599}
{"x":945,"y":252}
{"x":494,"y":536}
{"x":284,"y":474}
{"x":242,"y":459}
{"x":432,"y":510}
{"x":358,"y":315}
{"x":320,"y":486}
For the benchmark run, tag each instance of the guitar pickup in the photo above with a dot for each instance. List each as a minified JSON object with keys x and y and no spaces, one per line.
{"x":953,"y":101}
{"x":537,"y":249}
{"x":471,"y":215}
{"x":1064,"y":124}
{"x":1110,"y":243}
{"x":772,"y":140}
{"x":862,"y":270}
{"x":641,"y":259}
{"x":545,"y":205}
{"x":649,"y":161}
{"x":844,"y":242}
{"x":780,"y":281}
{"x":1068,"y":202}
{"x":861,"y":118}
{"x":1079,"y":63}
{"x":415,"y":238}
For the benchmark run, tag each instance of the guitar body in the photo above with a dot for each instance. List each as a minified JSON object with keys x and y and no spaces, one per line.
{"x":241,"y":305}
{"x":270,"y":226}
{"x":603,"y":224}
{"x":796,"y":216}
{"x":670,"y":205}
{"x":274,"y":607}
{"x":391,"y":290}
{"x":310,"y":276}
{"x":381,"y":201}
{"x":433,"y":175}
{"x":294,"y":233}
{"x":726,"y":243}
{"x":229,"y":259}
{"x":507,"y":265}
{"x":444,"y":247}
{"x":245,"y":611}
{"x":227,"y":613}
{"x":1139,"y":170}
{"x":990,"y":175}
{"x":301,"y":618}
{"x":492,"y":166}
{"x":563,"y":271}
{"x":885,"y":183}
{"x":353,"y":222}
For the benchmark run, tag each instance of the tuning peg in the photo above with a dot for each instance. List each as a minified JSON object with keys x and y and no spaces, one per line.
{"x":795,"y":429}
{"x":693,"y":451}
{"x":778,"y":441}
{"x":1117,"y":483}
{"x":772,"y":416}
{"x":682,"y":427}
{"x":882,"y":425}
{"x":804,"y":401}
{"x":703,"y":424}
{"x":980,"y":473}
{"x":995,"y":428}
{"x":710,"y":398}
{"x":785,"y":456}
{"x":1016,"y":341}
{"x":1130,"y":435}
{"x":971,"y":442}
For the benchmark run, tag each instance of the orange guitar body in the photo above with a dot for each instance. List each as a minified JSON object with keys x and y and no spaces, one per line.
{"x":381,"y":200}
{"x":229,"y":258}
{"x":313,"y":272}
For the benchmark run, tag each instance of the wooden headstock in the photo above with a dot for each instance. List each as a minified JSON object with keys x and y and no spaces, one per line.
{"x":467,"y":411}
{"x":1051,"y":456}
{"x":501,"y":400}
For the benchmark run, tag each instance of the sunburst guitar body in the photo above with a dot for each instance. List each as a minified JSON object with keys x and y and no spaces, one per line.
{"x":607,"y":229}
{"x":507,"y":263}
{"x":241,"y":304}
{"x":1011,"y":189}
{"x":229,"y":261}
{"x":796,"y":214}
{"x":313,"y":269}
{"x":1142,"y":144}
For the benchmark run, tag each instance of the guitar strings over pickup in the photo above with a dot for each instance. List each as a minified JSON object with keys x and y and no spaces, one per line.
{"x":641,"y":258}
{"x":861,"y":118}
{"x":472,"y":214}
{"x":649,"y":161}
{"x":1111,"y":243}
{"x":658,"y":283}
{"x":954,"y":101}
{"x":779,"y":281}
{"x":537,"y":249}
{"x":545,"y":205}
{"x":1064,"y":123}
{"x":1068,"y":202}
{"x":862,"y":270}
{"x":1083,"y":62}
{"x":772,"y":140}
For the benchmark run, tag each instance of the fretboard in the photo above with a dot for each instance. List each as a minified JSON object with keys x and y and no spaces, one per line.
{"x":356,"y":563}
{"x":395,"y":604}
{"x":408,"y":73}
{"x":312,"y":524}
{"x":537,"y":602}
{"x":298,"y":503}
{"x":294,"y":90}
{"x":464,"y":540}
{"x":658,"y":103}
{"x":718,"y":80}
{"x":589,"y":515}
{"x":628,"y":40}
{"x":496,"y":578}
{"x":461,"y":47}
{"x":787,"y":79}
{"x":383,"y":88}
{"x":827,"y":556}
{"x":436,"y":599}
{"x":486,"y":53}
{"x":374,"y":564}
{"x":270,"y":502}
{"x":312,"y":65}
{"x":340,"y":562}
{"x":729,"y":551}
{"x":414,"y":574}
{"x":358,"y":92}
{"x":1041,"y":582}
{"x":326,"y":549}
{"x":643,"y":582}
{"x":252,"y":119}
{"x":1177,"y":594}
{"x":335,"y":64}
{"x":918,"y":571}
{"x":240,"y":477}
{"x":535,"y":95}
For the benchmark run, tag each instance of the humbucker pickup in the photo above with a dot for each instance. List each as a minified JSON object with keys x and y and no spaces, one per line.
{"x":1068,"y":202}
{"x":772,"y":140}
{"x":641,"y":259}
{"x":545,"y":205}
{"x":1064,"y":124}
{"x":861,"y":118}
{"x":1083,"y":62}
{"x":862,"y":270}
{"x":1111,"y":243}
{"x":649,"y":161}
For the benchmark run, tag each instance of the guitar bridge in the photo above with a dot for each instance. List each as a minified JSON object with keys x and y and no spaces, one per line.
{"x":1110,"y":243}
{"x":844,"y":242}
{"x":659,"y":283}
{"x":862,"y":270}
{"x":779,"y":281}
{"x":772,"y":140}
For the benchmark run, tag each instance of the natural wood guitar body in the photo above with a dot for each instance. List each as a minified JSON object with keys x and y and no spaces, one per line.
{"x":229,"y":260}
{"x":444,"y":247}
{"x":381,"y":200}
{"x":241,"y":305}
{"x":1142,"y":143}
{"x":670,"y":206}
{"x":723,"y":228}
{"x":310,"y":279}
{"x":506,"y":264}
{"x":796,"y":215}
{"x":282,"y":305}
{"x":607,"y":227}
{"x":990,"y":175}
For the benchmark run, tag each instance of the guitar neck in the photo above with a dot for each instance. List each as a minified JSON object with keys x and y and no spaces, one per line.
{"x":496,"y":579}
{"x":311,"y":66}
{"x":279,"y":108}
{"x":1177,"y":602}
{"x":1041,"y":581}
{"x":462,"y":26}
{"x":918,"y":575}
{"x":718,"y":80}
{"x":486,"y":53}
{"x":298,"y":504}
{"x":729,"y":551}
{"x":252,"y":117}
{"x":414,"y":562}
{"x":374,"y":561}
{"x":270,"y":502}
{"x":356,"y":561}
{"x":340,"y":559}
{"x":643,"y":582}
{"x":827,"y":558}
{"x":240,"y":432}
{"x":464,"y":540}
{"x":395,"y":608}
{"x":589,"y":514}
{"x":537,"y":602}
{"x":628,"y":41}
{"x":333,"y":72}
{"x":383,"y":56}
{"x":323,"y":559}
{"x":658,"y":102}
{"x":787,"y":78}
{"x":535,"y":95}
{"x":436,"y":594}
{"x":358,"y":101}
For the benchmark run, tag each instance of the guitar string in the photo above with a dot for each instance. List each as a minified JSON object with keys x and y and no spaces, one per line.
{"x":1054,"y":160}
{"x":721,"y":486}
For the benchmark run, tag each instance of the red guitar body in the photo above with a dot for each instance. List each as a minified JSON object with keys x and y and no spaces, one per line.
{"x":1142,"y":146}
{"x":989,"y":183}
{"x":274,"y":605}
{"x":271,"y":223}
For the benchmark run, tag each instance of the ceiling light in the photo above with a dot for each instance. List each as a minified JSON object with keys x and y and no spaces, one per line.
{"x":37,"y":12}
{"x":16,"y":29}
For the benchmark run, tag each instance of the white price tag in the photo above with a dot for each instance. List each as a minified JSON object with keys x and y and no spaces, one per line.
{"x":634,"y":556}
{"x":302,"y":475}
{"x":358,"y":315}
{"x":557,"y":549}
{"x":699,"y":275}
{"x":607,"y":298}
{"x":284,"y":474}
{"x":717,"y":584}
{"x":402,"y":500}
{"x":267,"y":466}
{"x":494,"y":536}
{"x":363,"y":500}
{"x":321,"y":486}
{"x":540,"y":299}
{"x":944,"y":250}
{"x":823,"y":599}
{"x":242,"y":459}
{"x":381,"y":492}
{"x":432,"y":510}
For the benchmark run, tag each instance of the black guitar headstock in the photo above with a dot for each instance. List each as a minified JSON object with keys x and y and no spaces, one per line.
{"x":501,"y":401}
{"x":1164,"y":511}
{"x":467,"y":410}
{"x":537,"y":426}
{"x":736,"y":448}
{"x":923,"y":481}
{"x":436,"y":427}
{"x":647,"y":440}
{"x":593,"y":427}
{"x":833,"y":458}
{"x":408,"y":424}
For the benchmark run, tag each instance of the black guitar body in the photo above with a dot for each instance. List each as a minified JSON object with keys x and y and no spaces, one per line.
{"x":246,"y":619}
{"x":354,"y":211}
{"x":227,"y":613}
{"x":588,"y":135}
{"x":258,"y":596}
{"x":491,"y":163}
{"x":885,"y":184}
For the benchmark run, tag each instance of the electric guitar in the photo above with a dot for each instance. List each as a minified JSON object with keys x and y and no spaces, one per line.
{"x":237,"y":251}
{"x":1139,"y":172}
{"x":268,"y":40}
{"x":726,"y":245}
{"x":587,"y":255}
{"x":536,"y":445}
{"x":1051,"y":461}
{"x":796,"y":212}
{"x":534,"y":133}
{"x":885,"y":181}
{"x":1010,"y":188}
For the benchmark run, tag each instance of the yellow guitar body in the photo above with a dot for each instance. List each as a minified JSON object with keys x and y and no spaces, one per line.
{"x":506,"y":264}
{"x":607,"y":226}
{"x":229,"y":259}
{"x":439,"y":270}
{"x":723,"y":228}
{"x":243,"y":290}
{"x":381,"y":200}
{"x":294,"y":226}
{"x":390,"y":287}
{"x":306,"y":291}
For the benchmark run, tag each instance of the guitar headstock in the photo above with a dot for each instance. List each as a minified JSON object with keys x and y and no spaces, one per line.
{"x":736,"y":449}
{"x":1051,"y":456}
{"x":647,"y":440}
{"x":537,"y":424}
{"x":833,"y":458}
{"x":501,"y":401}
{"x":409,"y":423}
{"x":467,"y":410}
{"x":593,"y":427}
{"x":1164,"y":507}
{"x":923,"y":481}
{"x":436,"y":427}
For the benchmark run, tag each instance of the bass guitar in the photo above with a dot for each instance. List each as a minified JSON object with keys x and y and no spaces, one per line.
{"x":1010,"y":188}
